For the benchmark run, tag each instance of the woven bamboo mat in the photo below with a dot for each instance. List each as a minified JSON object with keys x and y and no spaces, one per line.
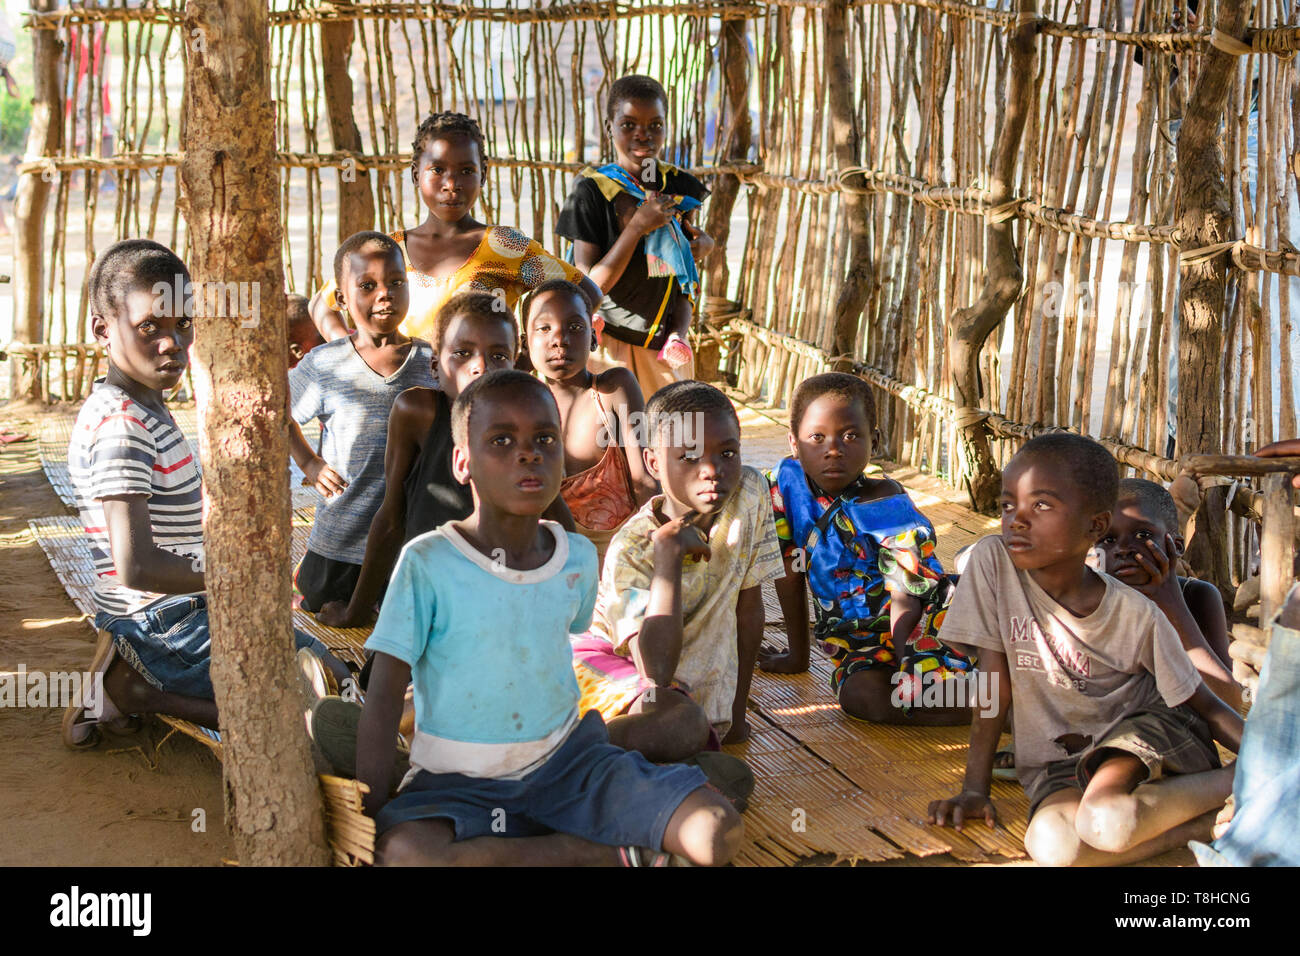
{"x":828,"y":788}
{"x":56,"y":432}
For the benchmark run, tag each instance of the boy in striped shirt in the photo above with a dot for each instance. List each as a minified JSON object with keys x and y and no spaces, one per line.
{"x":140,"y":499}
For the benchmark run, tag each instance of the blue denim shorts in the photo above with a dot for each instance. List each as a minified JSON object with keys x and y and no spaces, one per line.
{"x":589,"y":788}
{"x":169,"y":645}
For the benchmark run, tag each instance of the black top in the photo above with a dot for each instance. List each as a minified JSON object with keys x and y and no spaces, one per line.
{"x":637,"y":309}
{"x":433,"y":495}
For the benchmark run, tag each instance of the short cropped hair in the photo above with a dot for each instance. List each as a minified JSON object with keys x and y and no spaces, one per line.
{"x":1155,"y":501}
{"x":554,"y":285}
{"x":129,"y":265}
{"x":480,"y":305}
{"x":297,"y":308}
{"x":1083,"y":461}
{"x":634,"y":86}
{"x":840,"y":384}
{"x":444,"y":126}
{"x":687,"y":397}
{"x":356,"y":242}
{"x":485,"y":386}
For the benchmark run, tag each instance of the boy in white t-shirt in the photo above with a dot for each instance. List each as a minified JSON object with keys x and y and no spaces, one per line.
{"x":477,"y":616}
{"x":1114,"y":727}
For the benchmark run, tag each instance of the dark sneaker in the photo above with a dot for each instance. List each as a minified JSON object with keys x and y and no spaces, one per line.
{"x":730,"y":775}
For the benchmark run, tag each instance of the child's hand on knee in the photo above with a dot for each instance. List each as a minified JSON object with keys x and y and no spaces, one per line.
{"x":324,"y":478}
{"x":967,"y":805}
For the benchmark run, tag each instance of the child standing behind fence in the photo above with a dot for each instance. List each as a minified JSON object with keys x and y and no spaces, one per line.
{"x":631,"y":226}
{"x":451,"y":251}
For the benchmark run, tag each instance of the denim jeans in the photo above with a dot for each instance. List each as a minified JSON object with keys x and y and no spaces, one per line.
{"x":1265,"y":828}
{"x":170,"y":645}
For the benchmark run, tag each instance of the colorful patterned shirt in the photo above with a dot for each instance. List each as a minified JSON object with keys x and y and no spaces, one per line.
{"x":865,"y":551}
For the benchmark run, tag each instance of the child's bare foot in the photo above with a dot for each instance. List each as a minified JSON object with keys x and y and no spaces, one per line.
{"x":1224,"y":818}
{"x":773,"y":660}
{"x":738,"y":733}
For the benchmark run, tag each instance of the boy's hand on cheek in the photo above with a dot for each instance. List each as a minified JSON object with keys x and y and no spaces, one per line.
{"x":324,"y":478}
{"x":1160,"y":564}
{"x":679,"y":539}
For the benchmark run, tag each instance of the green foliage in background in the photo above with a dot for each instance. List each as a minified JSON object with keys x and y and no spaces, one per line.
{"x":15,"y":119}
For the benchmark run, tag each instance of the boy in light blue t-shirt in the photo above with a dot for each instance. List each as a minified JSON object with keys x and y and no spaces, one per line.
{"x":478,"y":615}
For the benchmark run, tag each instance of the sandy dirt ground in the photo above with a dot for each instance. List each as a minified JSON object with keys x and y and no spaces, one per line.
{"x":124,"y":803}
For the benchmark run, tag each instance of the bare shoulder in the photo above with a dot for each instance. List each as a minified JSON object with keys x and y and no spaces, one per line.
{"x":416,"y":406}
{"x":618,"y":381}
{"x":877,"y":488}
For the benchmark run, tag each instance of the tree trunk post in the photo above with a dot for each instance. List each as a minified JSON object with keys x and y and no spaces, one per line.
{"x":1204,"y":217}
{"x":230,"y":197}
{"x":1004,"y":278}
{"x":356,"y":200}
{"x":45,"y":138}
{"x":858,"y":278}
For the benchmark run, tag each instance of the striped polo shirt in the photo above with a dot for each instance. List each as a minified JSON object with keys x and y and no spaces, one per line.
{"x":119,"y":447}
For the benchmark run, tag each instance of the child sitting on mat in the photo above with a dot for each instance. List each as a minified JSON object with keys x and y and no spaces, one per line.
{"x":1114,"y":727}
{"x":451,"y":251}
{"x":631,"y":224}
{"x":679,"y":619}
{"x":350,"y":384}
{"x":859,"y":544}
{"x":140,"y":498}
{"x":503,"y":769}
{"x":1141,"y":549}
{"x":606,"y":479}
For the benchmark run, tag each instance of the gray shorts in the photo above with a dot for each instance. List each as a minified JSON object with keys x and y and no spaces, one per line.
{"x":1168,"y":741}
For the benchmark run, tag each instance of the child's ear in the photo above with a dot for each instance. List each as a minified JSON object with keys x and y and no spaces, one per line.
{"x":877,"y":440}
{"x":1099,"y":526}
{"x":99,"y":328}
{"x":1180,"y":546}
{"x":460,"y":464}
{"x":651,"y":458}
{"x":794,"y":444}
{"x":595,"y":343}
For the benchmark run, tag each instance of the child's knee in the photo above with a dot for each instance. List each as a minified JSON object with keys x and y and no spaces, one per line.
{"x":409,"y":844}
{"x":1051,"y":839}
{"x":1107,"y":821}
{"x":719,"y":834}
{"x":867,"y":698}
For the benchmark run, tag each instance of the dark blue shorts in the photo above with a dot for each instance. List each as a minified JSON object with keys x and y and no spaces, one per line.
{"x":589,"y":788}
{"x":170,"y":646}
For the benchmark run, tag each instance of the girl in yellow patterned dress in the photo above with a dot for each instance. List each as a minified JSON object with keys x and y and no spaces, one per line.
{"x":451,"y":251}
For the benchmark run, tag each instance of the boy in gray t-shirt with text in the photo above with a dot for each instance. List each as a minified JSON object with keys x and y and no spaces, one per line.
{"x":1114,"y":728}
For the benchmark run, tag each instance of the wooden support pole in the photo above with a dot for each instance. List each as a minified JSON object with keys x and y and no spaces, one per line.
{"x":356,"y":200}
{"x":733,"y":61}
{"x":1276,"y":545}
{"x":1204,"y":216}
{"x":44,"y":138}
{"x":230,"y":196}
{"x":1004,"y":277}
{"x":847,"y":138}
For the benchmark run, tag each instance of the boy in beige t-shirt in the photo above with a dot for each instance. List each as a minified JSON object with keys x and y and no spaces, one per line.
{"x":1114,"y":728}
{"x":679,"y":614}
